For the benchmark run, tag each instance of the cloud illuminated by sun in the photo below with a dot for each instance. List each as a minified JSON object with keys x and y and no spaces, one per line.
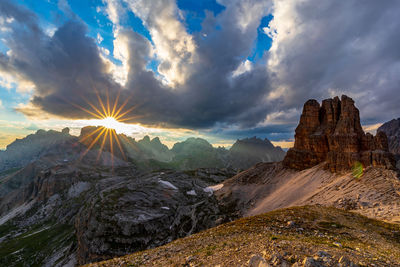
{"x":110,"y":123}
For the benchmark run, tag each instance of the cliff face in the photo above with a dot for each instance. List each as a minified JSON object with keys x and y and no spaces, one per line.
{"x":332,"y":132}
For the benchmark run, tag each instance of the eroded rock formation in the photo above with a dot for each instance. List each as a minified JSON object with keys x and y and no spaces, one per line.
{"x":332,"y":132}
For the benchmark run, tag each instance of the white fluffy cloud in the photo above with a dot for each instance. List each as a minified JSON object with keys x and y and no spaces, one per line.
{"x":247,"y":13}
{"x":174,"y":47}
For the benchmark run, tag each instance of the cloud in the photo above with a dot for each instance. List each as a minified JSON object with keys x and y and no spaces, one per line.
{"x":67,"y":66}
{"x":204,"y":79}
{"x":243,"y":67}
{"x":173,"y":45}
{"x":324,"y":48}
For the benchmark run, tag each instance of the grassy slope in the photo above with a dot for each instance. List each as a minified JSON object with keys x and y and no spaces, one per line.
{"x":33,"y":246}
{"x":363,"y":241}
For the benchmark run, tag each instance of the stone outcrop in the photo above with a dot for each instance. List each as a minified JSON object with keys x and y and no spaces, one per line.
{"x":332,"y":132}
{"x":144,"y":212}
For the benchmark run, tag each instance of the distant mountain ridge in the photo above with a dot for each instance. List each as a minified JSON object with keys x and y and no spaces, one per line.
{"x":147,"y":153}
{"x":249,"y":151}
{"x":392,"y":130}
{"x":32,"y":147}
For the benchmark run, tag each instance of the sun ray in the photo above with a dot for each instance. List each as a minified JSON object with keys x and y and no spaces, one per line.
{"x":122,"y":106}
{"x":83,"y":109}
{"x":89,"y":135}
{"x":100,"y":102}
{"x":119,"y":144}
{"x":94,"y":107}
{"x":111,"y":114}
{"x":93,"y":142}
{"x":108,"y":104}
{"x":102,"y":145}
{"x":126,"y":112}
{"x":131,"y":118}
{"x":134,"y":147}
{"x":112,"y":149}
{"x":115,"y":104}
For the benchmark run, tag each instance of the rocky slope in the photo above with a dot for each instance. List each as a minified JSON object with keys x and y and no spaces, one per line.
{"x":301,"y":236}
{"x":332,"y":133}
{"x":333,"y":163}
{"x":89,"y":209}
{"x":269,"y":186}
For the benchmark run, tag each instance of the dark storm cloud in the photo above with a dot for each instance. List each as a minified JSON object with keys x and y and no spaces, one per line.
{"x":209,"y":94}
{"x":337,"y":47}
{"x":330,"y":48}
{"x":66,"y":67}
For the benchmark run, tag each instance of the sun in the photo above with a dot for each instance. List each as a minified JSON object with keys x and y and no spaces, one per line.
{"x":110,"y":123}
{"x":109,"y":118}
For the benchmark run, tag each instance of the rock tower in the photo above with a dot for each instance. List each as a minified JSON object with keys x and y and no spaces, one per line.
{"x":332,"y":132}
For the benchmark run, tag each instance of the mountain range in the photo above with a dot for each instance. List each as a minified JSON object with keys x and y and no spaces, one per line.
{"x":63,"y":203}
{"x":147,"y":154}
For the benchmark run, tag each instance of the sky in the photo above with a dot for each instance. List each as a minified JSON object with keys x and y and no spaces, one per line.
{"x":217,"y":69}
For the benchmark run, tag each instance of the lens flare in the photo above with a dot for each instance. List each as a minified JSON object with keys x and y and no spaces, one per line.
{"x":358,"y":169}
{"x":110,"y":117}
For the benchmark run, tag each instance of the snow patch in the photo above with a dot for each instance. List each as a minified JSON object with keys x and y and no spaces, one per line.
{"x":168,"y":184}
{"x":191,"y":193}
{"x":165,"y":208}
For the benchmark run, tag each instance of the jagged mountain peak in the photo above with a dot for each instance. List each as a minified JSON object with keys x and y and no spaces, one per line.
{"x":392,"y":130}
{"x":332,"y":132}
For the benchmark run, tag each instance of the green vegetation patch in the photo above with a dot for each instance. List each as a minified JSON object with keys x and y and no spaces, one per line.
{"x":34,"y":246}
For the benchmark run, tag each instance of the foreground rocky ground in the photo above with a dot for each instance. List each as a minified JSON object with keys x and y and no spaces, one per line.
{"x":73,"y":213}
{"x":298,"y":236}
{"x":269,"y":186}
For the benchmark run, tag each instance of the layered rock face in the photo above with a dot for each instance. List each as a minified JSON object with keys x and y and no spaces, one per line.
{"x":332,"y":132}
{"x":143,"y":212}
